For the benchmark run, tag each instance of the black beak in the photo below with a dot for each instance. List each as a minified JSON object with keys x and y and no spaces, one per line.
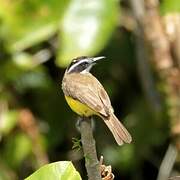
{"x":95,"y":59}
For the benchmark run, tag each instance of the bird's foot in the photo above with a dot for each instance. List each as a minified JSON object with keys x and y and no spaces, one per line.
{"x":83,"y":118}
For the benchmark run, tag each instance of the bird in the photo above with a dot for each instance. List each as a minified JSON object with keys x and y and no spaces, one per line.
{"x":86,"y":96}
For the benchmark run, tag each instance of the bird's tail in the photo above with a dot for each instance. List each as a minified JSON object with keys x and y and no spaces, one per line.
{"x":119,"y":132}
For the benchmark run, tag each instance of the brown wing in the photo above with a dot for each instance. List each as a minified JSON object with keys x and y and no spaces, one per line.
{"x":88,"y":90}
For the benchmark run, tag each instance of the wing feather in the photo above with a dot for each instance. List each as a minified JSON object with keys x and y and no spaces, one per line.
{"x":86,"y":89}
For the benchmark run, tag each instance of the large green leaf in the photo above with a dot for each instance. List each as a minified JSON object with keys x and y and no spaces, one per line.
{"x":63,"y":170}
{"x":28,"y":22}
{"x":168,"y":6}
{"x":86,"y":28}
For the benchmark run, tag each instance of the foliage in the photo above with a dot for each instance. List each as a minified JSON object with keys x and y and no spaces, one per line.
{"x":170,"y":6}
{"x":59,"y":170}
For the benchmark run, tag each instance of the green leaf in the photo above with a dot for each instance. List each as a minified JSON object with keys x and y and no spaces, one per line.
{"x":26,"y":23}
{"x":63,"y":170}
{"x":168,"y":6}
{"x":76,"y":144}
{"x":28,"y":61}
{"x":86,"y":28}
{"x":8,"y":121}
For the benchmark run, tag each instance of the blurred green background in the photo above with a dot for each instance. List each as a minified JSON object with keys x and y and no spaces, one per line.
{"x":38,"y":39}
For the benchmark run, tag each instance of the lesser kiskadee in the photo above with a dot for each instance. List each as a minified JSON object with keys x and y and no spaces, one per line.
{"x":86,"y":96}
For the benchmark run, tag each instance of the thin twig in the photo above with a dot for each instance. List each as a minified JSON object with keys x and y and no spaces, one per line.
{"x":89,"y":149}
{"x":167,"y":163}
{"x":159,"y":48}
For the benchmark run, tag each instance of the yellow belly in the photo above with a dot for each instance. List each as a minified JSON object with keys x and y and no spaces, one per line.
{"x":79,"y":108}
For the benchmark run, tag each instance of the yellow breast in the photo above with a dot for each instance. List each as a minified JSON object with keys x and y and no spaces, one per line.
{"x":79,"y":108}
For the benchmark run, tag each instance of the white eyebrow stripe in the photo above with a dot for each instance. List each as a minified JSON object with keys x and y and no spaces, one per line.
{"x":76,"y":64}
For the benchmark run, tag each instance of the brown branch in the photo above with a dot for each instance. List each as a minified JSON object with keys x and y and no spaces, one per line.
{"x":168,"y":70}
{"x":159,"y":49}
{"x":89,"y":149}
{"x":29,"y":125}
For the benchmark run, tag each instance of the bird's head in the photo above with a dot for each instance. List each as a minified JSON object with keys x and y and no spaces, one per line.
{"x":82,"y":64}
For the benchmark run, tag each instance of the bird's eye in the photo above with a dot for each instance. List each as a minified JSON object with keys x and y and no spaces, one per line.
{"x":85,"y":64}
